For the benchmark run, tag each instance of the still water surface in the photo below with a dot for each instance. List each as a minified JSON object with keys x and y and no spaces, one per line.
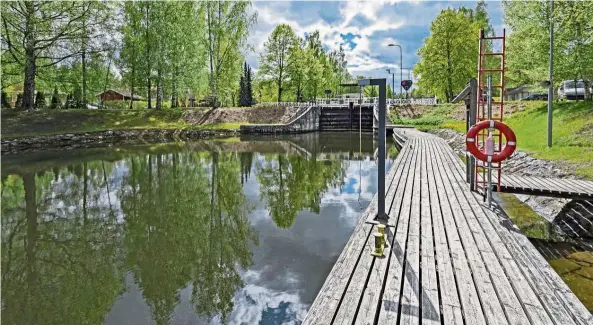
{"x":237,"y":231}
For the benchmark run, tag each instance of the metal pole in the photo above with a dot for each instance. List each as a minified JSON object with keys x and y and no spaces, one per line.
{"x":473,"y":110}
{"x":393,"y":85}
{"x":381,"y":192}
{"x":489,"y":135}
{"x":551,"y":73}
{"x":401,"y":73}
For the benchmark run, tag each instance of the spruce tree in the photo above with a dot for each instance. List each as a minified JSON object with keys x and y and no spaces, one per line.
{"x":55,"y":100}
{"x":242,"y":92}
{"x":249,"y":88}
{"x":5,"y":101}
{"x":40,"y":100}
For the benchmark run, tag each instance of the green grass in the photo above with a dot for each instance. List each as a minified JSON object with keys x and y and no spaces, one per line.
{"x":20,"y":124}
{"x":572,"y":133}
{"x":572,"y":130}
{"x":439,"y":117}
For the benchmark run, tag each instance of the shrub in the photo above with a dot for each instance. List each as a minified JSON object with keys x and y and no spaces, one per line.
{"x":55,"y":100}
{"x":5,"y":101}
{"x":40,"y":100}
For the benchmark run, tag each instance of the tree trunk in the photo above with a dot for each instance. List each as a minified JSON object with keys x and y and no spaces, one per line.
{"x":148,"y":68}
{"x":29,"y":82}
{"x":132,"y":85}
{"x":83,"y":57}
{"x":210,"y":48}
{"x":159,"y":88}
{"x":30,"y":60}
{"x":31,"y":243}
{"x":174,"y":100}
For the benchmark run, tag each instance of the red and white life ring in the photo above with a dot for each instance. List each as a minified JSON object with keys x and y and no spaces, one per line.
{"x":508,"y":150}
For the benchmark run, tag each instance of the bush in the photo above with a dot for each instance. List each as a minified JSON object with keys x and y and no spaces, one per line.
{"x":19,"y":101}
{"x":55,"y":100}
{"x":40,"y":100}
{"x":5,"y":101}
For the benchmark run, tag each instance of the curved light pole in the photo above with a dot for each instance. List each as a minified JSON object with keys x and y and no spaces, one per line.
{"x":400,"y":67}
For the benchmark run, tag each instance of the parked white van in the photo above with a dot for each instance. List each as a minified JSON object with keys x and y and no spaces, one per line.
{"x":571,"y":90}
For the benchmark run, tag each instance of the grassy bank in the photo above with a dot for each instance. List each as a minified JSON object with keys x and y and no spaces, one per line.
{"x":15,"y":124}
{"x":572,"y":133}
{"x":572,"y":129}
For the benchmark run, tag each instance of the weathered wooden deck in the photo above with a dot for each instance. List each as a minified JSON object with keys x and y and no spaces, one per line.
{"x":450,"y":260}
{"x":549,"y":186}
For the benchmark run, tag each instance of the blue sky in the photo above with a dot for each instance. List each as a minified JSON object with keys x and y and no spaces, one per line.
{"x":363,"y":28}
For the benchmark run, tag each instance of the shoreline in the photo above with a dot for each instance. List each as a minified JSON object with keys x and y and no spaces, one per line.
{"x":66,"y":141}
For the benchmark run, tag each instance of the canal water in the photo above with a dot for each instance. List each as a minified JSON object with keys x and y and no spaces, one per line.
{"x":236,"y":231}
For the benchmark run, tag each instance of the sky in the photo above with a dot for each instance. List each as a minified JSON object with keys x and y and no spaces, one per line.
{"x":363,"y":29}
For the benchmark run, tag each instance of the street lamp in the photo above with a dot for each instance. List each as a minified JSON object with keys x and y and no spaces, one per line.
{"x":400,"y":66}
{"x":392,"y":83}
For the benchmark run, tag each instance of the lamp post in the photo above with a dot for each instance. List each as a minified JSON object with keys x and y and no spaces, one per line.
{"x":392,"y":83}
{"x":400,"y":66}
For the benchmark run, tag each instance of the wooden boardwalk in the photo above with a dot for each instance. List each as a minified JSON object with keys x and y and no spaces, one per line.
{"x":549,"y":186}
{"x":450,"y":260}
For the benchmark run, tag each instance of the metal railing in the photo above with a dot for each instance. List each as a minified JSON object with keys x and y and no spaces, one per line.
{"x":356,"y":101}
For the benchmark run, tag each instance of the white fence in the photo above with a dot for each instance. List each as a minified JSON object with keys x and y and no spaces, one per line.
{"x":356,"y":101}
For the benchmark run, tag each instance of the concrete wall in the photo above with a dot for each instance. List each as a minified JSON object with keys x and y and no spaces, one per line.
{"x":306,"y":122}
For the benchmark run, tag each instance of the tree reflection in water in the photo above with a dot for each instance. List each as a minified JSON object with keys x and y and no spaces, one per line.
{"x":173,"y":220}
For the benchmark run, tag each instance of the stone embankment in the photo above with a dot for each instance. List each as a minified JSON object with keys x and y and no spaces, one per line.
{"x":106,"y":138}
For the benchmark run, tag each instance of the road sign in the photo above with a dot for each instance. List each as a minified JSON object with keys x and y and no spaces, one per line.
{"x":407,"y":84}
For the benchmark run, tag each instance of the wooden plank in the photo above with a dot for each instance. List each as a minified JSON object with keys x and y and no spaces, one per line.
{"x":493,"y":306}
{"x":428,"y":279}
{"x":352,"y":297}
{"x":537,"y":281}
{"x":368,"y":307}
{"x":451,"y":305}
{"x":411,"y":295}
{"x":491,"y":249}
{"x":390,"y":303}
{"x":471,"y":303}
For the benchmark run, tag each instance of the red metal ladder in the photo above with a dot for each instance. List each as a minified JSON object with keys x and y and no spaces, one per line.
{"x":484,"y":69}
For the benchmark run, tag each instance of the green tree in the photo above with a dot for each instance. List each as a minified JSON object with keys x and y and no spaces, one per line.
{"x":448,"y":55}
{"x":528,"y":44}
{"x":274,"y":59}
{"x":227,"y":28}
{"x":35,"y":32}
{"x":77,"y":97}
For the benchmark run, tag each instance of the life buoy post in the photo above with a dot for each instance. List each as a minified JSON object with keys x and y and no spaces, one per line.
{"x":488,"y":155}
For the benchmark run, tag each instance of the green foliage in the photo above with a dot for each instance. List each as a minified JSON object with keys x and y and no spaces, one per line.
{"x":5,"y":101}
{"x":77,"y":98}
{"x":274,"y":59}
{"x":40,"y":102}
{"x":528,"y":44}
{"x":245,"y":88}
{"x":55,"y":100}
{"x":448,"y":55}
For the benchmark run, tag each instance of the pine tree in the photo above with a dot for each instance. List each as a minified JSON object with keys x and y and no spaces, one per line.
{"x":55,"y":101}
{"x":242,"y":98}
{"x":40,"y":100}
{"x":249,"y":87}
{"x":5,"y":101}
